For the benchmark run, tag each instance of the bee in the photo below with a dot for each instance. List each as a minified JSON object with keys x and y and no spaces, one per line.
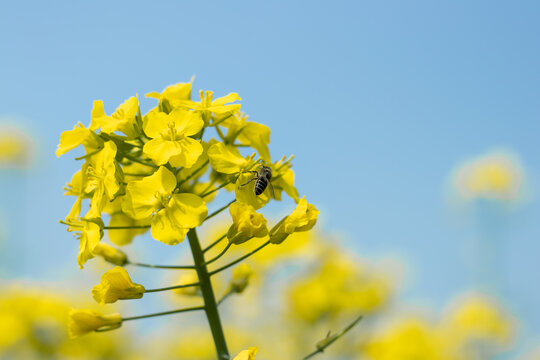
{"x":263,"y":177}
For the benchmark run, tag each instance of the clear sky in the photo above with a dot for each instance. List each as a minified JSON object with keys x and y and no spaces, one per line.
{"x":377,"y":100}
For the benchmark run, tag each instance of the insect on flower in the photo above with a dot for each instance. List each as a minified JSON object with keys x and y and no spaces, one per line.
{"x":263,"y":177}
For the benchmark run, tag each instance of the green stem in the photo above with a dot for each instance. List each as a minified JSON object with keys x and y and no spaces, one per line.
{"x":219,"y":255}
{"x":131,"y":158}
{"x":162,"y":266}
{"x":333,"y":338}
{"x":214,"y":243}
{"x":210,"y":305}
{"x":192,"y":174}
{"x":126,"y":227}
{"x":164,"y":313}
{"x":219,"y":210}
{"x":172,"y":287}
{"x":239,"y":259}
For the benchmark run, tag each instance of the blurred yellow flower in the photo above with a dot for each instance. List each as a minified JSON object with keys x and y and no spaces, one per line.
{"x":247,"y":354}
{"x":497,"y":175}
{"x":247,"y":223}
{"x":111,"y":254}
{"x":303,"y":218}
{"x":407,"y":339}
{"x":240,"y":277}
{"x":188,"y":278}
{"x":82,"y":322}
{"x":16,"y":147}
{"x":476,"y":317}
{"x":116,"y":285}
{"x":338,"y":285}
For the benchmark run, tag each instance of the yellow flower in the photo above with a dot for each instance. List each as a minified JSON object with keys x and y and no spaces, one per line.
{"x":171,"y":140}
{"x":240,"y":277}
{"x":476,"y":317}
{"x":123,"y":119}
{"x":90,"y":233}
{"x":283,"y":179}
{"x":16,"y":147}
{"x":174,"y":94}
{"x":103,"y":179}
{"x":226,"y":159}
{"x":207,"y":106}
{"x":248,"y":133}
{"x":80,"y":135}
{"x":84,"y":321}
{"x":173,"y":215}
{"x":407,"y":339}
{"x":111,"y":254}
{"x":303,"y":218}
{"x":497,"y":175}
{"x":247,"y":223}
{"x":246,"y":193}
{"x":116,"y":285}
{"x":247,"y":354}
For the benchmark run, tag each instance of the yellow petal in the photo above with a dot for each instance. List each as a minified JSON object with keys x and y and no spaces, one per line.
{"x":160,"y":150}
{"x":227,"y":159}
{"x":116,"y":285}
{"x":190,"y":153}
{"x":84,"y":321}
{"x":166,"y":229}
{"x":145,"y":196}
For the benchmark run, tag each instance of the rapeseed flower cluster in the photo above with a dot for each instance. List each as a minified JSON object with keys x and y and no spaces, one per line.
{"x":160,"y":172}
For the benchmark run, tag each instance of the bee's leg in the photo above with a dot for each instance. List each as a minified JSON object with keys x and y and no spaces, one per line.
{"x":253,"y":178}
{"x":272,"y":189}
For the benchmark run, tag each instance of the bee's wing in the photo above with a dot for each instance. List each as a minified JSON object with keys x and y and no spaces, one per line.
{"x":271,"y":189}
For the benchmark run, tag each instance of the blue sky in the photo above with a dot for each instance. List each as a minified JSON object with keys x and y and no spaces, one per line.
{"x":377,"y":100}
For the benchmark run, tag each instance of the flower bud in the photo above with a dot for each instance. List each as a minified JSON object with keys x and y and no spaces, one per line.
{"x":303,"y":218}
{"x":240,"y":278}
{"x":116,"y":285}
{"x":188,"y":278}
{"x":247,"y":223}
{"x":84,"y":321}
{"x":247,"y":354}
{"x":111,"y":254}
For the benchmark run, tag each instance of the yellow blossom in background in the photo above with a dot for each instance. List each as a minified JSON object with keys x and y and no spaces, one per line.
{"x":338,"y":286}
{"x":116,"y":285}
{"x":240,"y":277}
{"x":123,"y":119}
{"x":247,"y":223}
{"x":303,"y":218}
{"x":247,"y":354}
{"x":188,"y":278}
{"x":407,"y":339}
{"x":16,"y":147}
{"x":478,"y":318}
{"x":84,"y":321}
{"x":110,"y":254}
{"x":248,"y":133}
{"x":497,"y":175}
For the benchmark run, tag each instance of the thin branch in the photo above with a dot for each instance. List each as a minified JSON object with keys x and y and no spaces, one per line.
{"x":225,"y":296}
{"x":239,"y":259}
{"x":164,"y":313}
{"x":219,"y":255}
{"x":332,"y":338}
{"x":219,"y":210}
{"x":126,"y":227}
{"x":215,"y":243}
{"x":172,"y":287}
{"x":162,"y":266}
